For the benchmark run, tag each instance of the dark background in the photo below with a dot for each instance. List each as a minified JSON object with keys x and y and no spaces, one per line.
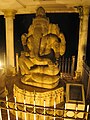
{"x":68,"y":23}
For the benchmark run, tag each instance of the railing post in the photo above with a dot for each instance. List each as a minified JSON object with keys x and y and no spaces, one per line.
{"x":44,"y":110}
{"x":25,"y":109}
{"x":16,"y":108}
{"x":0,"y":114}
{"x":17,"y":66}
{"x":69,"y":65}
{"x":55,"y":107}
{"x":63,"y":63}
{"x":87,"y":112}
{"x":7,"y":108}
{"x":73,"y":65}
{"x":34,"y":105}
{"x":66,"y":65}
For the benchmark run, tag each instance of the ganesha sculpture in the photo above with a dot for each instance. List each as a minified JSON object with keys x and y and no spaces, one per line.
{"x":43,"y":45}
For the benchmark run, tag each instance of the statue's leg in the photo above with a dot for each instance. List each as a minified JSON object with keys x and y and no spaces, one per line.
{"x":28,"y":62}
{"x":25,"y":65}
{"x":48,"y":70}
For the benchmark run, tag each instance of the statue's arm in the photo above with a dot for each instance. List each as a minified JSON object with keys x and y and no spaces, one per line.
{"x":44,"y":48}
{"x":62,"y":44}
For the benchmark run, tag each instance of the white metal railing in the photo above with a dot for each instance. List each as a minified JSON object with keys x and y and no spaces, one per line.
{"x":67,"y":65}
{"x":34,"y":109}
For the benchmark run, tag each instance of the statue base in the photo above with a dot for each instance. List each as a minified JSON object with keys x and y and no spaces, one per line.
{"x":31,"y":94}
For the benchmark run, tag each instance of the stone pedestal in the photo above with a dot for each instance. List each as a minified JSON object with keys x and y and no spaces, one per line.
{"x":34,"y":95}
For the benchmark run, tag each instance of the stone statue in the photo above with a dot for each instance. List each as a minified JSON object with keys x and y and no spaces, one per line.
{"x":43,"y":45}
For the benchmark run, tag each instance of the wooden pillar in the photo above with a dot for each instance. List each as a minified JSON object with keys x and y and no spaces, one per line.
{"x":9,"y":16}
{"x":83,"y":32}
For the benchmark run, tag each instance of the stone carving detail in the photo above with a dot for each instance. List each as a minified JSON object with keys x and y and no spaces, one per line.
{"x":43,"y":45}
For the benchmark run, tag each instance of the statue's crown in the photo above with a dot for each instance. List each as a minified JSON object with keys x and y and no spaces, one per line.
{"x":44,"y":22}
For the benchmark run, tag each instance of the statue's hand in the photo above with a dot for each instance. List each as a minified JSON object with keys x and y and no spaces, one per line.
{"x":27,"y":54}
{"x":50,"y":63}
{"x":22,"y":53}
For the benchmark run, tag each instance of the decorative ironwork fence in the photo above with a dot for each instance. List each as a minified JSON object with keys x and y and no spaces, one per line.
{"x":25,"y":109}
{"x":67,"y":65}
